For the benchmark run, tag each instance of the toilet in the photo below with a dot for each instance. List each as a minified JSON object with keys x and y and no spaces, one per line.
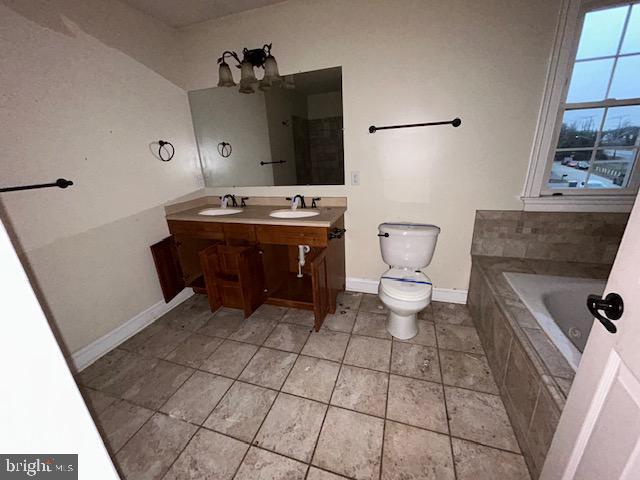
{"x":404,"y":289}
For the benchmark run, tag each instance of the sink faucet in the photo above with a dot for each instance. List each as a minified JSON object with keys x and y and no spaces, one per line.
{"x":224,"y":201}
{"x":297,"y":201}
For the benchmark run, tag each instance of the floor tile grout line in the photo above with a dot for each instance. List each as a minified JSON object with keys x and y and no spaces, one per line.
{"x":386,"y":409}
{"x":446,"y":408}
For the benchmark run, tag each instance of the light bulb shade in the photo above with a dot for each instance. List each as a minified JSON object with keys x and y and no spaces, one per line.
{"x":271,"y":69}
{"x":265,"y":84}
{"x":246,"y":88}
{"x":247,"y":75}
{"x":225,"y":78}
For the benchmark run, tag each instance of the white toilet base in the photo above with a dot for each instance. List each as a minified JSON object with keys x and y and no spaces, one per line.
{"x":402,"y":327}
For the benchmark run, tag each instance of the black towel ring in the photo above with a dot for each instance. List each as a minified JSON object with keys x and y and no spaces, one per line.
{"x":224,"y":149}
{"x":162,"y":143}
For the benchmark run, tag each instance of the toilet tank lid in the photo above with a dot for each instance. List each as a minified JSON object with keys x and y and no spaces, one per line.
{"x":409,"y":229}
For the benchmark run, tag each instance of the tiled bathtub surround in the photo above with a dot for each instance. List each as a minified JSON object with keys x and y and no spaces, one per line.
{"x":531,"y":374}
{"x":565,"y":236}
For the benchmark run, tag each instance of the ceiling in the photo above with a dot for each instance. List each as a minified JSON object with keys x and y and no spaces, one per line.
{"x":187,"y":12}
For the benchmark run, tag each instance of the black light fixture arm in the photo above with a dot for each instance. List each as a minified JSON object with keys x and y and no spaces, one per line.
{"x":268,"y":163}
{"x":456,"y":122}
{"x":61,"y":183}
{"x":229,"y":53}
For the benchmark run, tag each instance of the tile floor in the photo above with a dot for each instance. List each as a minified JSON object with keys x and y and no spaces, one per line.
{"x":198,"y":395}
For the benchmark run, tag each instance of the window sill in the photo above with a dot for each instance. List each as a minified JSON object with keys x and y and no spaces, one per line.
{"x":582,"y":203}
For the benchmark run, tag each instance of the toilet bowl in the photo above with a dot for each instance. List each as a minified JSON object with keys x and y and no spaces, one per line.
{"x":404,"y":289}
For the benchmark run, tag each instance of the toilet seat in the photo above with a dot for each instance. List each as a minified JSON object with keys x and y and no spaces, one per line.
{"x":406,"y":285}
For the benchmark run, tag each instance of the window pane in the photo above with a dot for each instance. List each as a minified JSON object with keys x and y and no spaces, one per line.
{"x":631,"y":43}
{"x":589,"y":81}
{"x":626,"y":79}
{"x":569,"y":169}
{"x":601,"y":32}
{"x":621,"y":126}
{"x":612,"y":168}
{"x":579,"y":127}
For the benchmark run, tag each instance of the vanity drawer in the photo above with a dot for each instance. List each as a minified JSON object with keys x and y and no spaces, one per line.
{"x":209,"y":230}
{"x":288,"y":235}
{"x":239,"y":234}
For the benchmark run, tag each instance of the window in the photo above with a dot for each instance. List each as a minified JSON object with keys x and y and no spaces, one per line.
{"x":589,"y":142}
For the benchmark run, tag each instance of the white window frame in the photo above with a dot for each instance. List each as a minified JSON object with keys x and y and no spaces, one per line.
{"x":536,"y":196}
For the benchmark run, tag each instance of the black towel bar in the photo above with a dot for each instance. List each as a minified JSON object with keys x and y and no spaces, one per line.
{"x":61,"y":182}
{"x":456,"y":122}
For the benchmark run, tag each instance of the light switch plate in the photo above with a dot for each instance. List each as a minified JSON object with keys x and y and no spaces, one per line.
{"x":355,"y":177}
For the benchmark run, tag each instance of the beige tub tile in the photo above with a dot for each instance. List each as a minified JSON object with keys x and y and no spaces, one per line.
{"x":326,"y":344}
{"x":208,"y":455}
{"x":413,"y":453}
{"x":196,"y":398}
{"x":415,"y":361}
{"x":350,"y":444}
{"x":194,"y":350}
{"x":477,"y":462}
{"x":368,"y":352}
{"x":288,"y":337}
{"x":480,"y":417}
{"x":361,"y":390}
{"x":418,"y":403}
{"x":521,"y":383}
{"x":148,"y":455}
{"x":312,"y":378}
{"x":241,"y":411}
{"x":229,"y":359}
{"x":262,"y":465}
{"x":268,"y":368}
{"x":291,"y":427}
{"x":467,"y":370}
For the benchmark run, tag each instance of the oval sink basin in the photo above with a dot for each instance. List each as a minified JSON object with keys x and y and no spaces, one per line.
{"x":219,"y":211}
{"x":289,"y":213}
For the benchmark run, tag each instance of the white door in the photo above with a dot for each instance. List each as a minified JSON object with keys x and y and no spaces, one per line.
{"x":598,"y":436}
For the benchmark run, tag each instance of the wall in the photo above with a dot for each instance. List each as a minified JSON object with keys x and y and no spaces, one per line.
{"x":87,"y":86}
{"x":223,"y":114}
{"x":409,"y":61}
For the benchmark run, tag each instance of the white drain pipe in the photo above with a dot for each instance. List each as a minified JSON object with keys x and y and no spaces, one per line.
{"x":302,"y":250}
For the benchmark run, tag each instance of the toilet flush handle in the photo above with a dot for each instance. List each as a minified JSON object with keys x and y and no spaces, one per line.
{"x":383,"y":234}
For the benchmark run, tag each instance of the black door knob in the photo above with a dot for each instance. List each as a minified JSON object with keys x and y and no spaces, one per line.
{"x":612,"y":307}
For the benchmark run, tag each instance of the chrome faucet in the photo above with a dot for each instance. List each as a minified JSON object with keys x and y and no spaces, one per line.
{"x":297,"y":201}
{"x":224,"y":201}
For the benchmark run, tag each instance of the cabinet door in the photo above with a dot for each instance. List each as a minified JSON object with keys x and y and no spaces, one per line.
{"x":210,"y":267}
{"x":320,"y":288}
{"x":251,"y":277}
{"x":167,"y":264}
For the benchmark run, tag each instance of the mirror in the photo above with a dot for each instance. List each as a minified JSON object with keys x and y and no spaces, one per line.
{"x":290,"y":134}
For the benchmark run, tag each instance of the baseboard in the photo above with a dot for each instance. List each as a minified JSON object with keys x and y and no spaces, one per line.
{"x":449,"y":295}
{"x":96,"y":349}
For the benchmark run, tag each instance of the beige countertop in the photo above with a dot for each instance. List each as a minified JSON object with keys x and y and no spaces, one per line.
{"x":260,"y":215}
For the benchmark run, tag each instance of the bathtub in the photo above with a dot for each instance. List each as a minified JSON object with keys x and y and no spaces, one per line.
{"x":559,"y":306}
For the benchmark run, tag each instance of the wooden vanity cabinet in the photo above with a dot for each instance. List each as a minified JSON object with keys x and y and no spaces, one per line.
{"x":244,"y":265}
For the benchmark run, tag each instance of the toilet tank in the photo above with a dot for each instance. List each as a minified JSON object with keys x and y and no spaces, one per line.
{"x":407,"y":245}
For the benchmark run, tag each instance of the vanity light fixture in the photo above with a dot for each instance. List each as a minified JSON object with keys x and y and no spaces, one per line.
{"x":256,"y":58}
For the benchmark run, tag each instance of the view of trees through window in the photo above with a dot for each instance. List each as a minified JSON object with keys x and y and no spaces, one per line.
{"x":598,"y":140}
